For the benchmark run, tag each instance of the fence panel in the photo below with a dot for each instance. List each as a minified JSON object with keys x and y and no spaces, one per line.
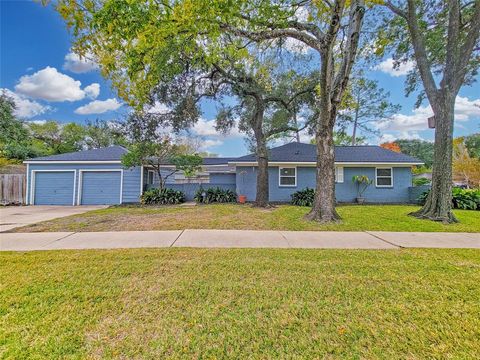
{"x":12,"y":189}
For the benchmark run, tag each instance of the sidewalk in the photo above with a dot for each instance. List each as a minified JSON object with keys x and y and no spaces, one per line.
{"x":236,"y":239}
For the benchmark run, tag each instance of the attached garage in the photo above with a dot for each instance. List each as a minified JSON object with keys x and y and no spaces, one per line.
{"x":90,"y":177}
{"x":51,"y":187}
{"x":100,"y":187}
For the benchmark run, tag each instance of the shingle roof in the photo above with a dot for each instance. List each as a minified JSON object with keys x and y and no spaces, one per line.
{"x":218,"y":160}
{"x":298,"y":152}
{"x":112,"y":153}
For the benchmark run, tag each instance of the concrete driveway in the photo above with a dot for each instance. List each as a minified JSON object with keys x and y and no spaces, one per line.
{"x":15,"y":216}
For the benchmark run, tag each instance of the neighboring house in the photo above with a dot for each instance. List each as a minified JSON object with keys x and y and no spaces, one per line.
{"x":98,"y":177}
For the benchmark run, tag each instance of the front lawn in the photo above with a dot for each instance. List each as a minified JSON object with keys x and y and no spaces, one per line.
{"x":245,"y":217}
{"x":238,"y":303}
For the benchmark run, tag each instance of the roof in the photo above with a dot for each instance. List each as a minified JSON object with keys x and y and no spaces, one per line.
{"x":298,"y":152}
{"x":290,"y":153}
{"x":111,"y":153}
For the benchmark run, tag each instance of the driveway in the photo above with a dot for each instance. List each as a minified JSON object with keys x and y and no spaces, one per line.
{"x":15,"y":216}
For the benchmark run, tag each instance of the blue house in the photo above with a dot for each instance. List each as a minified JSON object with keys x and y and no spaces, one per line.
{"x":98,"y":177}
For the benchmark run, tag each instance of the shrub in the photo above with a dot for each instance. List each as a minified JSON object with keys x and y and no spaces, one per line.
{"x":466,"y":199}
{"x":303,"y":197}
{"x":162,"y":197}
{"x":215,"y":195}
{"x":421,"y":181}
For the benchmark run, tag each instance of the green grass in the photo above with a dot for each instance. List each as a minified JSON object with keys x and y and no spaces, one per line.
{"x":243,"y":217}
{"x":238,"y":303}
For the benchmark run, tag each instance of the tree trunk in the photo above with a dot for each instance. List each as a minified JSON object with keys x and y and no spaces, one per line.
{"x":323,"y":209}
{"x":438,"y":206}
{"x":262,"y":196}
{"x":355,"y":122}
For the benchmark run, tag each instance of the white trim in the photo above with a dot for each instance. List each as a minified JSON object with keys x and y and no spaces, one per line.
{"x":280,"y":176}
{"x":32,"y":182}
{"x":311,"y":163}
{"x":391,"y":177}
{"x":71,"y":162}
{"x":27,"y":196}
{"x":80,"y":182}
{"x":141,"y":180}
{"x":339,"y":174}
{"x":153,"y":177}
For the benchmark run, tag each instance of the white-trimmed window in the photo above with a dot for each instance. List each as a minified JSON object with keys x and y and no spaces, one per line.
{"x":339,"y":174}
{"x":287,"y":176}
{"x":150,"y":177}
{"x":384,"y":177}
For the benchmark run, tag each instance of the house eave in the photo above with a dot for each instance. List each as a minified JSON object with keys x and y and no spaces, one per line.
{"x":43,"y":162}
{"x":339,"y":163}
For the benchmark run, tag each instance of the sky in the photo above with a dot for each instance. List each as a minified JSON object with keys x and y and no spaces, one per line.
{"x":49,"y":82}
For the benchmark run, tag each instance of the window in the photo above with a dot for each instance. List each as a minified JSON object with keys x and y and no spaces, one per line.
{"x":338,"y":174}
{"x":384,"y":177}
{"x":151,"y":177}
{"x":288,"y":176}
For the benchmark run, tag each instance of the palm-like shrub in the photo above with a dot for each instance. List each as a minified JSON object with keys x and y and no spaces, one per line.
{"x":303,"y":197}
{"x":215,"y":195}
{"x":162,"y":197}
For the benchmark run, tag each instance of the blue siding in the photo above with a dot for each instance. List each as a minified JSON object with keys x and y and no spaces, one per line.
{"x":131,"y":177}
{"x":54,"y":188}
{"x":345,"y":192}
{"x":101,"y":187}
{"x":222,"y":178}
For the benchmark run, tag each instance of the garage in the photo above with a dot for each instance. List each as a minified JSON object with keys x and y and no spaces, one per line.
{"x":100,"y":187}
{"x":53,"y":187}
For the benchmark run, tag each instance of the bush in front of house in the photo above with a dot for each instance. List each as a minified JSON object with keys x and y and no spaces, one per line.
{"x":303,"y":197}
{"x":466,"y":199}
{"x":162,"y":197}
{"x":215,"y":195}
{"x":421,"y":181}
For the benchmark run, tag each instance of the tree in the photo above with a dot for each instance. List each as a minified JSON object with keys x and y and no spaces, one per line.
{"x":145,"y":46}
{"x":465,"y":167}
{"x":15,"y":141}
{"x":442,"y":36}
{"x":368,"y":103}
{"x":57,"y":138}
{"x":101,"y":133}
{"x":332,"y":29}
{"x":420,"y":149}
{"x":393,"y":146}
{"x":164,"y":157}
{"x":472,"y":143}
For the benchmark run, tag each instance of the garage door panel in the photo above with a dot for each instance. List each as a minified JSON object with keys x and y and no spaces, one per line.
{"x":101,"y":187}
{"x":54,"y":188}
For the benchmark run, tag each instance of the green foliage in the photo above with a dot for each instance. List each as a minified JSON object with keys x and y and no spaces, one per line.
{"x":420,"y":149}
{"x":362,"y":182}
{"x":466,"y":199}
{"x":303,"y":197}
{"x":190,"y":164}
{"x":472,"y":143}
{"x":419,"y":181}
{"x":215,"y":195}
{"x":162,"y":196}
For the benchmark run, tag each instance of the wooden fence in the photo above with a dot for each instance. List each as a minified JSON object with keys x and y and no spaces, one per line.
{"x":12,"y":189}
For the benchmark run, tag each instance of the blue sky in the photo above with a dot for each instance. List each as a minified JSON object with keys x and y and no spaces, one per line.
{"x":48,"y":82}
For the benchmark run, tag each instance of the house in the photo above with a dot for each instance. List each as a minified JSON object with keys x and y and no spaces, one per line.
{"x":98,"y":177}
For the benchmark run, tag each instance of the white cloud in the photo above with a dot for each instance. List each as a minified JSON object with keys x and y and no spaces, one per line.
{"x":26,"y":108}
{"x":51,"y":85}
{"x":208,"y":143}
{"x":158,"y":108}
{"x":465,"y":110}
{"x":295,"y":46}
{"x":408,"y":135}
{"x":387,"y":66}
{"x":78,"y":65}
{"x":98,"y":107}
{"x":92,"y":91}
{"x":205,"y":127}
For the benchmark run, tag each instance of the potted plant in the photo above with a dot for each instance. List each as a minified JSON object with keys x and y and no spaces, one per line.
{"x":242,"y":198}
{"x":362,"y":182}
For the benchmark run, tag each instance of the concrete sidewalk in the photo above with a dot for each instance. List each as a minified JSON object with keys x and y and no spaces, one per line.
{"x":236,"y":239}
